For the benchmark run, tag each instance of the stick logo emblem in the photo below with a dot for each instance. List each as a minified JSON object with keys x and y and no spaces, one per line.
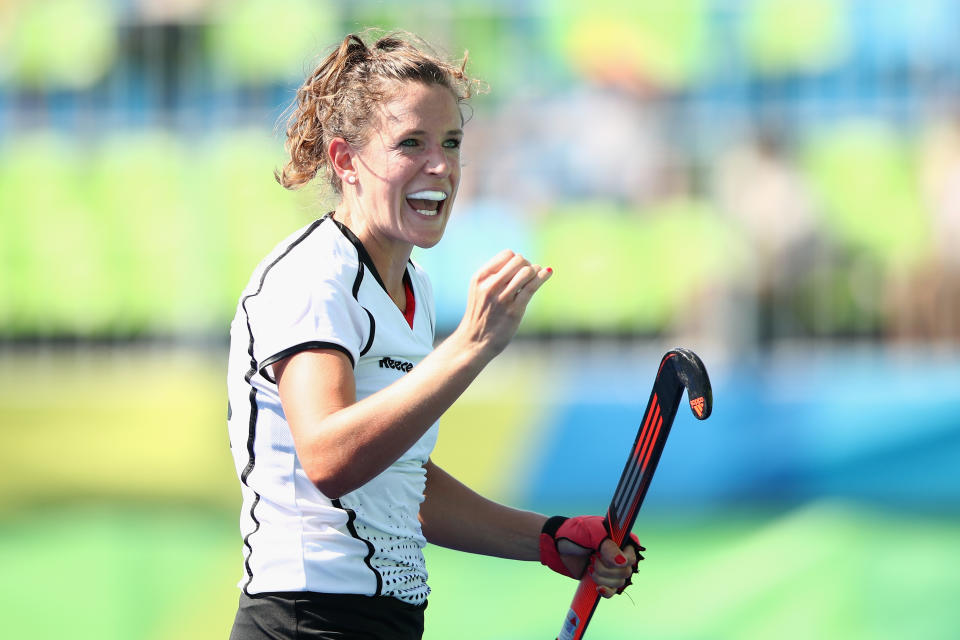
{"x":569,"y":626}
{"x":697,"y":405}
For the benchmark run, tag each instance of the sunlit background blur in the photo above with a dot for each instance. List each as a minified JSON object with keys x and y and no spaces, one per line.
{"x":774,"y":184}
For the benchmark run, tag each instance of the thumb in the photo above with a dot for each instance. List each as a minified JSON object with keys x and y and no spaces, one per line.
{"x":574,"y":557}
{"x":569,"y":548}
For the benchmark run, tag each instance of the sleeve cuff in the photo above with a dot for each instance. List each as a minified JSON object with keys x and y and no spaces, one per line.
{"x":264,"y":368}
{"x":551,"y":526}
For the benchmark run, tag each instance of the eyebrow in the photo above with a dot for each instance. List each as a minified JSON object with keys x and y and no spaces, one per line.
{"x":421,"y":132}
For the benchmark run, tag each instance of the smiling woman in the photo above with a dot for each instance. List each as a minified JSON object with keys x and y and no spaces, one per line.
{"x":401,"y":184}
{"x":336,"y":388}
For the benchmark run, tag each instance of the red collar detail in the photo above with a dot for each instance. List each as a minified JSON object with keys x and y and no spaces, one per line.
{"x":411,"y":301}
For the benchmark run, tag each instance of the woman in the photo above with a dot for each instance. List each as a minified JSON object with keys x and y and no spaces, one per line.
{"x":335,"y":386}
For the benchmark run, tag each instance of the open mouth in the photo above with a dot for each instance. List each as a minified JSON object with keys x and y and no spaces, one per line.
{"x":426,"y":203}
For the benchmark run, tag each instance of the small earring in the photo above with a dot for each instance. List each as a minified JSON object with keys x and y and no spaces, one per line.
{"x":352,"y":179}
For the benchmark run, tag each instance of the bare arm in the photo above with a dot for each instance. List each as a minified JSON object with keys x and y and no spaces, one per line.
{"x":454,"y":516}
{"x":342,"y":443}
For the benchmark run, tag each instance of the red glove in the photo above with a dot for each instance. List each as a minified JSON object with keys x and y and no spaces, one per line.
{"x":587,"y":532}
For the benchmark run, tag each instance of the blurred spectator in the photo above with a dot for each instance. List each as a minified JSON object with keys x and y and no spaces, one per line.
{"x":926,"y":301}
{"x":870,"y":208}
{"x":591,"y":142}
{"x":627,"y":42}
{"x":940,"y":165}
{"x":764,"y":194}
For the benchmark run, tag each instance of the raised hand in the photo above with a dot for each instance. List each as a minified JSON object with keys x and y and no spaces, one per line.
{"x":498,"y":297}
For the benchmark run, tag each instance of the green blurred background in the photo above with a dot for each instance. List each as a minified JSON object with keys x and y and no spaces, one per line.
{"x":772,"y":183}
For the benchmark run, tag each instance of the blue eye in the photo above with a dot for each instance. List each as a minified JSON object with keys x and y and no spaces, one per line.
{"x":409,"y":142}
{"x":453,"y":143}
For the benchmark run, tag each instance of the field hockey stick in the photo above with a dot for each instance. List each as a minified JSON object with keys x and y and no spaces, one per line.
{"x":679,"y":368}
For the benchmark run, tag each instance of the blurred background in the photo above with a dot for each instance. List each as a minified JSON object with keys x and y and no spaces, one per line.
{"x":774,"y":184}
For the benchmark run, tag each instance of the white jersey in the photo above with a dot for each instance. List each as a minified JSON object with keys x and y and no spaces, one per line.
{"x":319,"y":289}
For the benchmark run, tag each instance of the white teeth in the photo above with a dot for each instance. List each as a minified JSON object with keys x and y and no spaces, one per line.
{"x":427,"y":212}
{"x":428,"y":195}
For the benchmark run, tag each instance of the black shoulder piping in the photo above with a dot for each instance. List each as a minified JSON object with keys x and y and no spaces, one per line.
{"x":351,"y":516}
{"x":357,"y":281}
{"x":252,"y":424}
{"x":303,"y":346}
{"x":373,"y":331}
{"x":361,"y":251}
{"x":364,"y":257}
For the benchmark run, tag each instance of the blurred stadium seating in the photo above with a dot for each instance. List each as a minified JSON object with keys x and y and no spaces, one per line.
{"x":126,"y":136}
{"x":774,"y":183}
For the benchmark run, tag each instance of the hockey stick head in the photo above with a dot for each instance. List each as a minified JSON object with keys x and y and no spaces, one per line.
{"x":693,"y":375}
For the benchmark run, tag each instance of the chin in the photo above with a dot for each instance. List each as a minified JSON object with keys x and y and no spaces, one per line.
{"x":426,"y":243}
{"x":426,"y":238}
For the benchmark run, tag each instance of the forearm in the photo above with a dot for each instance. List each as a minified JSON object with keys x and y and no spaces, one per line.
{"x":456,"y":517}
{"x":348,"y":445}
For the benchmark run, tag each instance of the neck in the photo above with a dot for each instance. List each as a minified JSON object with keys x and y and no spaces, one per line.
{"x":389,"y":256}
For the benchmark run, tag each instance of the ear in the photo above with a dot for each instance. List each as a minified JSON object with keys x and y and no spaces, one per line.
{"x":342,"y":159}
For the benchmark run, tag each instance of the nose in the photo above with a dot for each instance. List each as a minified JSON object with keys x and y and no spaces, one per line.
{"x":438,"y":162}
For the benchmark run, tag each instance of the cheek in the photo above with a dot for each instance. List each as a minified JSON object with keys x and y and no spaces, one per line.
{"x":401,"y":170}
{"x":456,"y":175}
{"x":455,"y":165}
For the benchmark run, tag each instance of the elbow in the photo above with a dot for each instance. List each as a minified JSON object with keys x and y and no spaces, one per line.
{"x":332,"y":483}
{"x":336,"y":469}
{"x":327,"y":468}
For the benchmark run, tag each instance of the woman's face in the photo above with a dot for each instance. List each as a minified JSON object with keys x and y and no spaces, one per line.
{"x":409,"y":169}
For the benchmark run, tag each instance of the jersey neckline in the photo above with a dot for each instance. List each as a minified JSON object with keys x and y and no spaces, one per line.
{"x":365,"y":258}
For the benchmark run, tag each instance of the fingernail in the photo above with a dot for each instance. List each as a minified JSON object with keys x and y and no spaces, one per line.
{"x":549,"y":269}
{"x":620,"y":559}
{"x":601,"y":591}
